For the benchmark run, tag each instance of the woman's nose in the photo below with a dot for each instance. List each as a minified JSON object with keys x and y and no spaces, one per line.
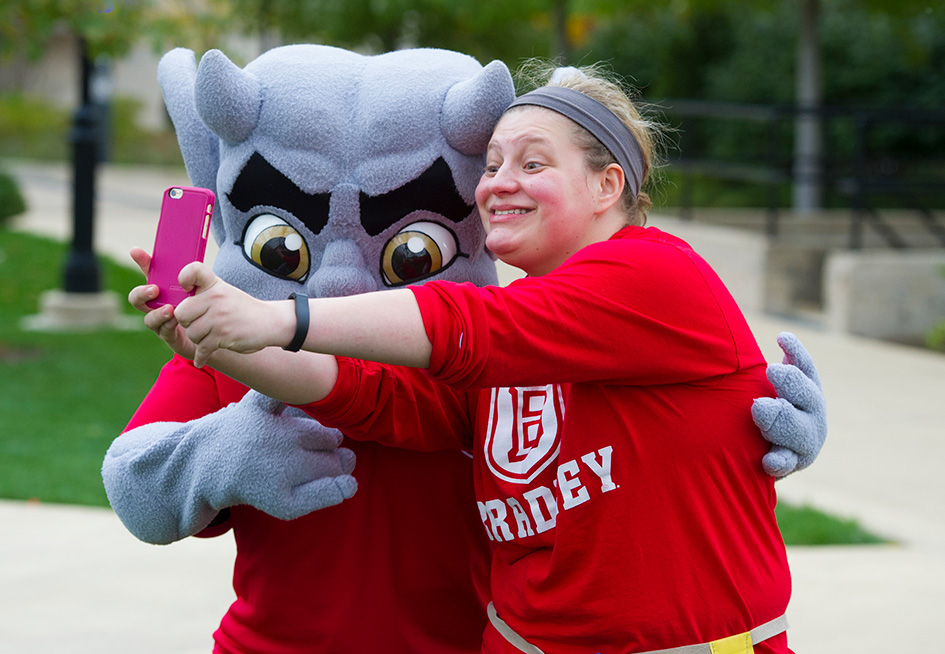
{"x":504,"y":180}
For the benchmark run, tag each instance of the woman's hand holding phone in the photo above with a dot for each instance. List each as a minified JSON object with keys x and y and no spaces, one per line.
{"x":221,"y":316}
{"x":181,"y":238}
{"x":217,"y":316}
{"x":162,"y":320}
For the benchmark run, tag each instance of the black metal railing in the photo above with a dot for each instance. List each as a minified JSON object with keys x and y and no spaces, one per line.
{"x":873,"y":160}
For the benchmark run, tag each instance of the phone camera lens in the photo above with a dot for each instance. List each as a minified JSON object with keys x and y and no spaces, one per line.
{"x":176,"y":193}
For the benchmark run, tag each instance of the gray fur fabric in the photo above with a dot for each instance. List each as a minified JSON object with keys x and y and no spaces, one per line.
{"x":796,"y":420}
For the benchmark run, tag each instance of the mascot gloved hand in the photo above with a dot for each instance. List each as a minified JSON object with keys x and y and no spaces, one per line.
{"x":280,"y":461}
{"x":796,"y":420}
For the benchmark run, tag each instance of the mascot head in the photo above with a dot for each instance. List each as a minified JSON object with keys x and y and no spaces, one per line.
{"x":339,"y":173}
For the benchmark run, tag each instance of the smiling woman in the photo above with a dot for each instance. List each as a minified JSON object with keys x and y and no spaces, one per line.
{"x":565,"y":168}
{"x":581,"y":391}
{"x":538,"y":201}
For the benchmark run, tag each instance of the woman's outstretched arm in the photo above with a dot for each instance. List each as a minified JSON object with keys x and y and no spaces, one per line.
{"x":243,"y":337}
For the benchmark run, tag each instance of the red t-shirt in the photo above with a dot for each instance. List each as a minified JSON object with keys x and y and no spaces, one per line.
{"x":402,"y":567}
{"x":617,"y":469}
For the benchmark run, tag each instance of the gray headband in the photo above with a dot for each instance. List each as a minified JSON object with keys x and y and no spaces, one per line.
{"x":596,"y":119}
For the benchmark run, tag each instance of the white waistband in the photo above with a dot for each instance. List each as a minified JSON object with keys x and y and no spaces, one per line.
{"x":756,"y":635}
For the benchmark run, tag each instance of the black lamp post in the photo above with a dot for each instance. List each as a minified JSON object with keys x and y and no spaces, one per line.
{"x":81,"y":304}
{"x":82,"y":269}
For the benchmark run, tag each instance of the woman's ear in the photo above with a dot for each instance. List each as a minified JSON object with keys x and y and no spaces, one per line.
{"x":611,"y":186}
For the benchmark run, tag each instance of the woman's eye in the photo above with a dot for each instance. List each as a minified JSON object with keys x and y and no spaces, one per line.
{"x":418,"y":251}
{"x":274,"y":245}
{"x":532,"y":165}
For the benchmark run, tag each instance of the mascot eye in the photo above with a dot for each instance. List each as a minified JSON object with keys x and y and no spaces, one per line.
{"x":417,"y":251}
{"x":275,"y":246}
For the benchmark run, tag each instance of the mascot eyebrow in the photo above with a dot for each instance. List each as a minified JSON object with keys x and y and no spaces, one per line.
{"x":434,"y":190}
{"x":259,"y":183}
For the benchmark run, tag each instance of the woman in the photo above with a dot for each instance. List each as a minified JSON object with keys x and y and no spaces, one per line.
{"x":604,"y":397}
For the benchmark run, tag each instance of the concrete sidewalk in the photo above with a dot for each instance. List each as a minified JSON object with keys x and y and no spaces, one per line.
{"x":73,"y":580}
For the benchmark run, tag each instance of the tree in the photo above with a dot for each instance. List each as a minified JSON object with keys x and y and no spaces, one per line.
{"x":109,"y":27}
{"x":100,"y":28}
{"x":808,"y":125}
{"x":509,"y":31}
{"x":697,"y":48}
{"x":27,"y":27}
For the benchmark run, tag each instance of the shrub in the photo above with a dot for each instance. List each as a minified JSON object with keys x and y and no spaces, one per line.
{"x":11,"y":200}
{"x":935,"y":338}
{"x":32,"y":128}
{"x":129,"y":143}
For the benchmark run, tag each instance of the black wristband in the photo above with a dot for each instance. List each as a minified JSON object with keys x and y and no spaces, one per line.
{"x":301,"y":322}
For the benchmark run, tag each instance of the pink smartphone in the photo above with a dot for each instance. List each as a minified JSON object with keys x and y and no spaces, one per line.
{"x":181,"y":237}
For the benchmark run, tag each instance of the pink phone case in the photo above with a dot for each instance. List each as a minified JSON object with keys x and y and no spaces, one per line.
{"x":181,"y":238}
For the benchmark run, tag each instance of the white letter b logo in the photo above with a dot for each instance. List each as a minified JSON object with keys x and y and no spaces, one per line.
{"x":522,"y":434}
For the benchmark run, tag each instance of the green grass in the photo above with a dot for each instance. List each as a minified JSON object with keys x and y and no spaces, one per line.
{"x":65,"y":397}
{"x":805,"y":525}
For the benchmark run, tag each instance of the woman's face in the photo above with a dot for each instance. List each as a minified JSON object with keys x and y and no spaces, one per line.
{"x":537,"y":199}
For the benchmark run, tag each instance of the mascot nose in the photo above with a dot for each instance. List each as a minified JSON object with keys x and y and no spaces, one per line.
{"x":342,"y":272}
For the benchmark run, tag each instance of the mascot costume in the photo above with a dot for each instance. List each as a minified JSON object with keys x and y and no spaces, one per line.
{"x":338,"y":173}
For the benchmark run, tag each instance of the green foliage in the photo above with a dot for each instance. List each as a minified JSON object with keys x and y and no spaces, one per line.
{"x":805,"y":525}
{"x":485,"y":30}
{"x":63,"y":397}
{"x":128,"y":143}
{"x":713,"y":191}
{"x":874,"y":53}
{"x":729,"y":52}
{"x":935,"y":338}
{"x":199,"y":26}
{"x":112,"y":27}
{"x":11,"y":200}
{"x":36,"y":129}
{"x":664,"y":53}
{"x":31,"y":127}
{"x":108,"y":26}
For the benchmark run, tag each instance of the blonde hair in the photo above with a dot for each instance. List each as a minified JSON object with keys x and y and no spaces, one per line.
{"x":605,"y":87}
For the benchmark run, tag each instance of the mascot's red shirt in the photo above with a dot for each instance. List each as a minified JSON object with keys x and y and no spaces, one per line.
{"x":400,"y":568}
{"x":617,"y":469}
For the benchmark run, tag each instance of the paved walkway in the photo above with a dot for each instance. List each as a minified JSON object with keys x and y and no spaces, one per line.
{"x":72,"y":580}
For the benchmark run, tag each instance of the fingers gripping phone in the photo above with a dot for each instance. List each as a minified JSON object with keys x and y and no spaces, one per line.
{"x":181,"y":238}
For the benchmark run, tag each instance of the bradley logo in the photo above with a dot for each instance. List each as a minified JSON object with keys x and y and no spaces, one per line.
{"x":523,"y":434}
